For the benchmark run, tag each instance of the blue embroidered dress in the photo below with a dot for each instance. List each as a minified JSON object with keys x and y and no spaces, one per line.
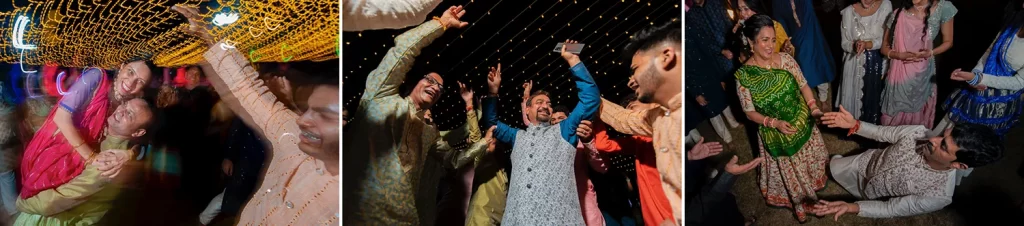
{"x":1000,"y":105}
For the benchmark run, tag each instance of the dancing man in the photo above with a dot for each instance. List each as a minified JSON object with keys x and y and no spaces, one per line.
{"x":300,"y":183}
{"x":916,"y":178}
{"x":389,"y":185}
{"x":542,"y":190}
{"x":88,"y":196}
{"x":656,"y":54}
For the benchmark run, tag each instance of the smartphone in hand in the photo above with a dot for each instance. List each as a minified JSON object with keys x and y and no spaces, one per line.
{"x":573,"y":48}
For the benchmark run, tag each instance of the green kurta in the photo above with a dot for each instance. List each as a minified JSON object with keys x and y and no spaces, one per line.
{"x":388,"y":144}
{"x":82,"y":201}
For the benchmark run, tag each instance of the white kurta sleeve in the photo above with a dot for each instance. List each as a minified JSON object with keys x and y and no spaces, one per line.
{"x":1015,"y":82}
{"x":898,"y":135}
{"x":358,"y":15}
{"x":901,"y":206}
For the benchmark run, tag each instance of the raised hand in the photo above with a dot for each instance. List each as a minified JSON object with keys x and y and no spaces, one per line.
{"x":842,"y":119}
{"x":735,"y":169}
{"x":285,"y":88}
{"x":527,"y":88}
{"x":494,"y":79}
{"x":584,"y":131}
{"x":703,"y":150}
{"x":466,"y":93}
{"x":196,"y":26}
{"x":490,"y":139}
{"x":450,"y":19}
{"x":572,"y":58}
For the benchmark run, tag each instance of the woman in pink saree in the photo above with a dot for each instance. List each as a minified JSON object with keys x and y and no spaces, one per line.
{"x":69,"y":137}
{"x":910,"y":91}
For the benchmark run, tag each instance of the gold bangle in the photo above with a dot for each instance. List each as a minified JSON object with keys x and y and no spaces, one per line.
{"x":444,"y":26}
{"x":79,"y":145}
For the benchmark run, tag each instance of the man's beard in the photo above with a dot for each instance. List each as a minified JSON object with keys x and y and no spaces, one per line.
{"x":926,"y":149}
{"x":647,"y":96}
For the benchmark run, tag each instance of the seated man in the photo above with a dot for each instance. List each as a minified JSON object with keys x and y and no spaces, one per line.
{"x":87,"y":197}
{"x":916,"y":178}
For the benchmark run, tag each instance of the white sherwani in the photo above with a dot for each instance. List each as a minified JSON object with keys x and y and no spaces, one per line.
{"x":897,"y":172}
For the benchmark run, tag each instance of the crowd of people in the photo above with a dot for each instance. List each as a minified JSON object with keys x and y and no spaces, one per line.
{"x":77,"y":145}
{"x":548,"y":171}
{"x":887,"y":93}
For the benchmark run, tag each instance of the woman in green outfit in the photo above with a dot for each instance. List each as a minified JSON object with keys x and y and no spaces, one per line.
{"x":774,"y":94}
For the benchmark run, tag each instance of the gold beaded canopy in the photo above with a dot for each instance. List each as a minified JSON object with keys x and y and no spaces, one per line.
{"x":105,"y":33}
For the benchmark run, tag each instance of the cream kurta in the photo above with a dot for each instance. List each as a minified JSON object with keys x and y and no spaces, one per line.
{"x":665,"y":126}
{"x":297,"y":189}
{"x":896,"y":172}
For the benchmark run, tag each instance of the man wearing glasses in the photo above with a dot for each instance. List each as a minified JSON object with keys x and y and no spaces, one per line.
{"x":388,"y":146}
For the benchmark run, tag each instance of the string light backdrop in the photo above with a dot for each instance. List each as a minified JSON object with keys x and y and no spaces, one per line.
{"x":107,"y":33}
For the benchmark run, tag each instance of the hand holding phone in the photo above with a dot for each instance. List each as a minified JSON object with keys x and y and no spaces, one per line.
{"x":572,"y":48}
{"x":570,"y":57}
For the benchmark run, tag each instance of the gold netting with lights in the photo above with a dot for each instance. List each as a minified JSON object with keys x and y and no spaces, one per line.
{"x":100,"y":33}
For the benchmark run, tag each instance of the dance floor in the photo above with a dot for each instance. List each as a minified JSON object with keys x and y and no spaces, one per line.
{"x":992,"y":195}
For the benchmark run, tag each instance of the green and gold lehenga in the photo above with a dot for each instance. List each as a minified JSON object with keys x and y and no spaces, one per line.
{"x":795,"y":167}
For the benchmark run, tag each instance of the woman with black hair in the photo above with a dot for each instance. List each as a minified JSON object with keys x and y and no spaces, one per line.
{"x":994,"y":98}
{"x":746,"y":9}
{"x":775,"y":95}
{"x":910,"y":90}
{"x":863,"y":65}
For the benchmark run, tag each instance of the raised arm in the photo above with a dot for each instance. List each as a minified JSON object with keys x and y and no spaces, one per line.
{"x":248,"y":97}
{"x":384,"y":14}
{"x":588,"y":105}
{"x":504,"y":133}
{"x":527,"y":88}
{"x":69,"y":195}
{"x":391,"y":72}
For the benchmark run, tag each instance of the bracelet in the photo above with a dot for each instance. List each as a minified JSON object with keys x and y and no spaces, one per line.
{"x":444,"y":25}
{"x":772,"y":122}
{"x":469,"y":108}
{"x":977,"y":77}
{"x":856,"y":127}
{"x":78,"y":145}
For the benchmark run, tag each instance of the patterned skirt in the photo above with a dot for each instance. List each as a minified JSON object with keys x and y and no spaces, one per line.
{"x":998,"y":109}
{"x":792,"y":181}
